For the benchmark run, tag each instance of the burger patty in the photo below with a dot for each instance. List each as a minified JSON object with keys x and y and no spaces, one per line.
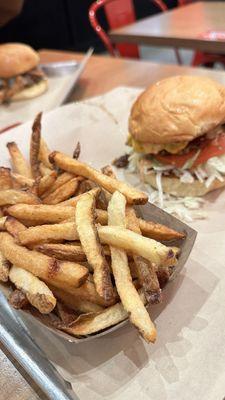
{"x":9,"y":87}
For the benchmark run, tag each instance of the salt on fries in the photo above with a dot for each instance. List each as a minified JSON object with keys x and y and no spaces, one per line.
{"x":72,"y":246}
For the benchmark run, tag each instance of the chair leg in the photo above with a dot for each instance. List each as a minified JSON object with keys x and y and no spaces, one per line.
{"x":178,"y":57}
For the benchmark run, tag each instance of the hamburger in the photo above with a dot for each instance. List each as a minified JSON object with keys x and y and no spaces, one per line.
{"x":177,"y":136}
{"x":20,"y":76}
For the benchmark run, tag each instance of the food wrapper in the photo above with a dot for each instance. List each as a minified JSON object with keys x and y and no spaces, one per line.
{"x":187,"y":360}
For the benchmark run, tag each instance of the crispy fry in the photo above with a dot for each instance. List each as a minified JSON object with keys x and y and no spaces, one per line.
{"x":6,"y":181}
{"x":73,"y":201}
{"x":13,"y":196}
{"x":76,"y":153}
{"x":128,"y":294}
{"x":146,"y":272}
{"x":76,"y":303}
{"x":133,"y":195}
{"x":44,"y":153}
{"x":1,"y":214}
{"x":63,"y":192}
{"x":19,"y":163}
{"x":45,"y":182}
{"x":44,"y":170}
{"x":41,"y":213}
{"x":4,"y":268}
{"x":46,"y":233}
{"x":123,"y":238}
{"x":18,"y":299}
{"x":37,"y":292}
{"x":87,"y":231}
{"x":66,"y":314}
{"x":61,"y":180}
{"x":35,"y":146}
{"x":58,"y":273}
{"x":67,"y":252}
{"x":22,"y":180}
{"x":158,"y":231}
{"x":13,"y":226}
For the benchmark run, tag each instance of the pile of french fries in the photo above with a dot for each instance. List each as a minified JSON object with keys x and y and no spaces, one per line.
{"x":71,"y":246}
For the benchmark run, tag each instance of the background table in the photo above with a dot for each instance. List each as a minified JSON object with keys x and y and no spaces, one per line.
{"x":181,"y":27}
{"x":101,"y":75}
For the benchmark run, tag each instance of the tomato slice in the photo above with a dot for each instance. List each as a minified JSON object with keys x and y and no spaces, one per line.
{"x":208,"y":148}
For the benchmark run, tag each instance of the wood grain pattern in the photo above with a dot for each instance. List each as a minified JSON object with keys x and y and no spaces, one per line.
{"x":180,"y":27}
{"x":102,"y":74}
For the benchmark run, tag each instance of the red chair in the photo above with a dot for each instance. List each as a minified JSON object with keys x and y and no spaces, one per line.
{"x":119,"y":13}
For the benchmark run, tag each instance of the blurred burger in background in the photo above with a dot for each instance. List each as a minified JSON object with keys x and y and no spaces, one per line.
{"x":177,"y":136}
{"x":20,"y":76}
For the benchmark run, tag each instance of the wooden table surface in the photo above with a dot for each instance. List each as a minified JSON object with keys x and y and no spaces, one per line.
{"x":101,"y":75}
{"x":180,"y":27}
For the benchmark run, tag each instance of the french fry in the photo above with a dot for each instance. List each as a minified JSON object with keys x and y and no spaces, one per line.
{"x":19,"y":163}
{"x":75,"y":303}
{"x":45,"y":182}
{"x":44,"y":170}
{"x":133,"y":195}
{"x":153,"y":251}
{"x":44,"y":153}
{"x":18,"y":299}
{"x":158,"y":231}
{"x":129,"y":296}
{"x":84,"y":216}
{"x":41,"y":213}
{"x":4,"y":268}
{"x":94,"y":323}
{"x":35,"y":146}
{"x":13,"y":226}
{"x":66,"y":314}
{"x":14,"y":196}
{"x":63,"y":192}
{"x":22,"y":180}
{"x":6,"y":181}
{"x":145,"y":270}
{"x":46,"y":233}
{"x":72,"y":202}
{"x":58,"y":273}
{"x":61,"y":180}
{"x":37,"y":292}
{"x":67,"y":252}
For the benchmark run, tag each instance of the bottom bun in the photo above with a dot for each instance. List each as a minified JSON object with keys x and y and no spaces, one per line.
{"x":174,"y":186}
{"x":32,"y":91}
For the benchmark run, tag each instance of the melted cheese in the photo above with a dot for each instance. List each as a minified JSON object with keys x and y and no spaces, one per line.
{"x":152,"y":148}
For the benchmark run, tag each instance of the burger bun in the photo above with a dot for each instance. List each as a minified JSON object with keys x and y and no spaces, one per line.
{"x":16,"y":59}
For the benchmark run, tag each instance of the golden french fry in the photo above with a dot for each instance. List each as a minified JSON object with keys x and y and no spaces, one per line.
{"x":13,"y":226}
{"x":44,"y":153}
{"x":74,"y":302}
{"x":19,"y":163}
{"x":6,"y":181}
{"x":84,"y":216}
{"x":63,"y":192}
{"x":18,"y":299}
{"x":37,"y":292}
{"x":58,"y":273}
{"x":129,"y":296}
{"x":153,"y":251}
{"x":73,"y":201}
{"x":46,"y":233}
{"x":22,"y":180}
{"x":14,"y":196}
{"x":158,"y":231}
{"x":133,"y":195}
{"x":41,"y":213}
{"x":45,"y":182}
{"x":145,"y":270}
{"x":35,"y":146}
{"x":67,"y":315}
{"x":61,"y":180}
{"x":4,"y":268}
{"x":44,"y":170}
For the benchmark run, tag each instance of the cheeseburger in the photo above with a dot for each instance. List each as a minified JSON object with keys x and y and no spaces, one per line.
{"x":177,"y":133}
{"x":20,"y":77}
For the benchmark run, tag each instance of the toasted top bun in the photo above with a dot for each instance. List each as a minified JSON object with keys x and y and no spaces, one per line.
{"x":16,"y":59}
{"x":173,"y":185}
{"x":177,"y":109}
